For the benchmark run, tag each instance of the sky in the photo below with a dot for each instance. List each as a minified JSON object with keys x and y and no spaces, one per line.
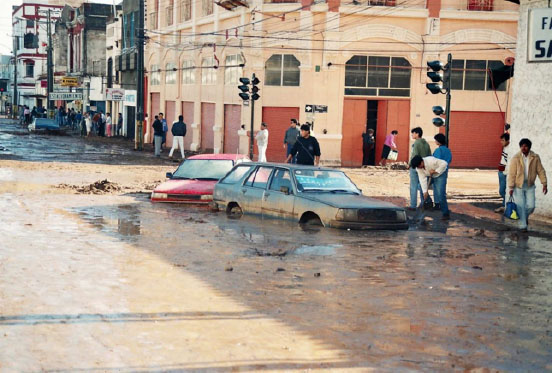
{"x":6,"y":24}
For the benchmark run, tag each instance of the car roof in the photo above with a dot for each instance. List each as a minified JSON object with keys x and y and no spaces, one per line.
{"x":231,"y":157}
{"x":291,"y":166}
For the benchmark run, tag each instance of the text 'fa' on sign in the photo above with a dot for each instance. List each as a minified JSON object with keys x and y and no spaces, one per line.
{"x":65,"y":96}
{"x":539,"y":35}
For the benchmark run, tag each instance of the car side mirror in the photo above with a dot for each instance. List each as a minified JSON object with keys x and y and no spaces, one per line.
{"x":169,"y":175}
{"x":284,"y":189}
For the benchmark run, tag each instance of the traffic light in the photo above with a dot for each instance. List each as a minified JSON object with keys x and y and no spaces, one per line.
{"x":254,"y":89}
{"x":440,"y":76}
{"x":438,"y":110}
{"x":244,"y":88}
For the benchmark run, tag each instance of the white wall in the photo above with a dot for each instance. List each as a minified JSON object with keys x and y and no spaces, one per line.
{"x":532,"y":104}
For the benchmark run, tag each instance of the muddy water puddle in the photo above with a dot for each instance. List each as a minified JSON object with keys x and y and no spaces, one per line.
{"x":451,"y":296}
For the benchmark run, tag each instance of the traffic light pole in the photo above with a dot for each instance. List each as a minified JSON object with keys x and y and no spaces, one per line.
{"x":50,"y":72}
{"x":447,"y":110}
{"x":251,"y":140}
{"x":139,"y":131}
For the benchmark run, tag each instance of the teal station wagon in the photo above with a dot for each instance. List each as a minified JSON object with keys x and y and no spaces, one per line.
{"x":305,"y":194}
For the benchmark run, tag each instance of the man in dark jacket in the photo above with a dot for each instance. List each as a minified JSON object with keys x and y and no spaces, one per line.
{"x":179,"y":131}
{"x":306,"y":148}
{"x":291,"y":136}
{"x":157,"y":135}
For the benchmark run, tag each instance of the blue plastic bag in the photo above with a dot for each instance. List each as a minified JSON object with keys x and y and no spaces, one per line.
{"x":511,"y":209}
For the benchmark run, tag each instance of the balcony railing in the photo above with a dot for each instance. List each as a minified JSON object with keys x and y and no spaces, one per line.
{"x":480,"y":5}
{"x":153,"y":18}
{"x":170,"y":16}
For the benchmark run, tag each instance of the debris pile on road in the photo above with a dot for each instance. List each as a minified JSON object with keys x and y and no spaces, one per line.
{"x":398,"y":166}
{"x":98,"y":187}
{"x":101,"y":186}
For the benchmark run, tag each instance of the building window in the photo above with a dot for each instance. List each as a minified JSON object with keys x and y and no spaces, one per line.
{"x":170,"y":13}
{"x":208,"y":71}
{"x":473,"y":75}
{"x":29,"y":69}
{"x":486,"y":5}
{"x":30,"y":23}
{"x":206,"y":7}
{"x":170,"y":73}
{"x":233,"y":69}
{"x":188,"y":72}
{"x":155,"y":75}
{"x":129,"y":29}
{"x":377,"y":76}
{"x":282,"y":70}
{"x":185,"y":10}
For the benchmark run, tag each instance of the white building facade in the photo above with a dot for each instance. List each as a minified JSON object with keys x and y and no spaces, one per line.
{"x":30,"y":21}
{"x":532,"y":101}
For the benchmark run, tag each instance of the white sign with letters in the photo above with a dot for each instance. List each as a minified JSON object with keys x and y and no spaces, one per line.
{"x":539,"y":35}
{"x":65,"y":96}
{"x":115,"y":94}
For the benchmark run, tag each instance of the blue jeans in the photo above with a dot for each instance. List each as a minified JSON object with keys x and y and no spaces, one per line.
{"x":440,"y":192}
{"x":502,"y":186}
{"x":288,"y":151}
{"x":157,"y":145}
{"x":414,"y":188}
{"x":524,"y":198}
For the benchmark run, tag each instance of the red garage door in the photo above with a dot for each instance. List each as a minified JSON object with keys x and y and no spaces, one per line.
{"x":474,"y":138}
{"x":277,"y":120}
{"x":393,"y":115}
{"x":188,"y":114}
{"x":207,"y":124}
{"x":354,"y":124}
{"x":155,"y":102}
{"x":170,"y":107}
{"x":232,"y":119}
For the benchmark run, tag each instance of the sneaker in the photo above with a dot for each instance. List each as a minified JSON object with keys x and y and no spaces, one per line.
{"x":500,"y":209}
{"x":436,"y":206}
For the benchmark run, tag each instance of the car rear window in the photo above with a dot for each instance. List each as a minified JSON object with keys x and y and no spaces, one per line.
{"x":236,"y":175}
{"x":259,"y":178}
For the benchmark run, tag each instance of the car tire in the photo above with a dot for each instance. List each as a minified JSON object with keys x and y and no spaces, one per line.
{"x":234,"y":212}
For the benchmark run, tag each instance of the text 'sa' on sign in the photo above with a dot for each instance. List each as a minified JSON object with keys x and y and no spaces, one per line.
{"x":539,"y":43}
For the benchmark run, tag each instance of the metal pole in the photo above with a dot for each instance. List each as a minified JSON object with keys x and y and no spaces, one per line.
{"x":138,"y":134}
{"x":50,"y":72}
{"x":14,"y":98}
{"x":447,"y":110}
{"x":251,"y":140}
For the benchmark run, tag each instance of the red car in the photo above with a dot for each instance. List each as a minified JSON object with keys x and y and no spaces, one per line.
{"x":195,"y":178}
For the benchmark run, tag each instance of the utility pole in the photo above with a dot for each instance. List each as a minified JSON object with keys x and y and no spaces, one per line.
{"x":139,"y":132}
{"x":15,"y":48}
{"x":448,"y":77}
{"x":50,"y":71}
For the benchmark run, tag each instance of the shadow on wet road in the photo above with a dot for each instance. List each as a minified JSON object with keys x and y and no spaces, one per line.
{"x":418,"y":299}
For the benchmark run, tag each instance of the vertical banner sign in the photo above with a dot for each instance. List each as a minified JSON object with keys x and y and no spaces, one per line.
{"x":539,"y":34}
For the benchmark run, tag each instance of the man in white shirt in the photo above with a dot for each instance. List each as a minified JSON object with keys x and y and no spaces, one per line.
{"x":262,"y":142}
{"x":503,"y":170}
{"x":436,"y":169}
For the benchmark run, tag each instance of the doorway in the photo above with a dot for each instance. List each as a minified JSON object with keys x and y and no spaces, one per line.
{"x":369,"y":152}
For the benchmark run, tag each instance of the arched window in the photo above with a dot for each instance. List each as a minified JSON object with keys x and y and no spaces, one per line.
{"x":170,"y":73}
{"x":208,"y":71}
{"x":377,"y":76}
{"x":155,"y":75}
{"x":188,"y":72}
{"x":282,"y":70}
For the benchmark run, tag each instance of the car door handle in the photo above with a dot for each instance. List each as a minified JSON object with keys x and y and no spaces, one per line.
{"x":266,"y":195}
{"x":244,"y":190}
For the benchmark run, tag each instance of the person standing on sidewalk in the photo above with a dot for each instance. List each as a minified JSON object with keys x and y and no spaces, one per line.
{"x":165,"y":129}
{"x":419,"y":147}
{"x":108,"y":125}
{"x":119,"y":131}
{"x":442,"y":152}
{"x":503,"y":170}
{"x":523,"y":170}
{"x":262,"y":142}
{"x":436,"y":169}
{"x":292,"y":133}
{"x":306,"y":148}
{"x":368,"y":144}
{"x":157,"y":135}
{"x":389,"y":145}
{"x":179,"y":131}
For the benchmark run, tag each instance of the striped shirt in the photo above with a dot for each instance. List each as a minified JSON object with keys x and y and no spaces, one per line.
{"x":504,"y":159}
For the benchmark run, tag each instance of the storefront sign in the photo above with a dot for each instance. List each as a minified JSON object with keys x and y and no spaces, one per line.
{"x":130,"y":97}
{"x":69,"y":81}
{"x":65,"y":96}
{"x":115,"y":94}
{"x":539,"y":43}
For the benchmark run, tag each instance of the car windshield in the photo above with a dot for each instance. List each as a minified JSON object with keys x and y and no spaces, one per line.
{"x":309,"y":180}
{"x":203,"y":169}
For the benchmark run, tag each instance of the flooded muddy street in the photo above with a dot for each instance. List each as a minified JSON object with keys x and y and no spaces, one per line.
{"x":106,"y":281}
